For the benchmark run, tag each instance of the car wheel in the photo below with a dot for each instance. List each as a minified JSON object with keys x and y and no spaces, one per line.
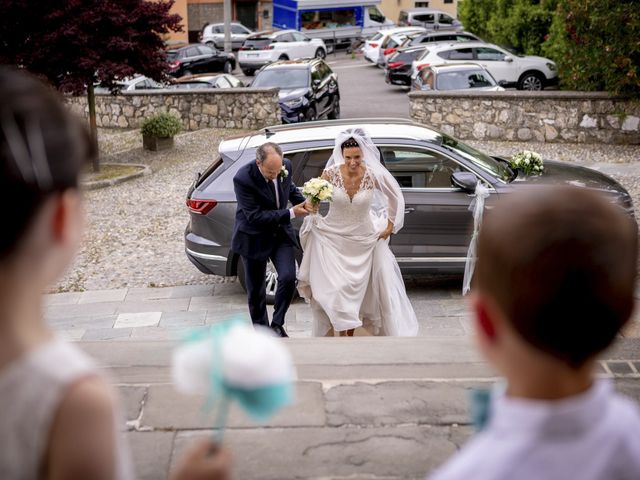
{"x":211,"y":44}
{"x":311,"y":115}
{"x":531,"y":81}
{"x":335,"y":111}
{"x":247,"y":72}
{"x":270,"y":279}
{"x":283,"y":57}
{"x":320,"y":53}
{"x":228,"y":68}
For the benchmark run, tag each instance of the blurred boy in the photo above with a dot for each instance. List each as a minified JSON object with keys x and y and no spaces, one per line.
{"x":554,"y":284}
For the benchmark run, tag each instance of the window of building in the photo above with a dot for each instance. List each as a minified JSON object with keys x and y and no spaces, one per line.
{"x":422,"y":4}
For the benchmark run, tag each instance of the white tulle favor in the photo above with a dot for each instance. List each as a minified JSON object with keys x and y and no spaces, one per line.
{"x":236,"y":362}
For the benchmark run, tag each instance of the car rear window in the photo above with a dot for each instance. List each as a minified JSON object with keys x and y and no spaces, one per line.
{"x":377,"y":36}
{"x":256,"y":43}
{"x":211,"y":173}
{"x":288,"y":78}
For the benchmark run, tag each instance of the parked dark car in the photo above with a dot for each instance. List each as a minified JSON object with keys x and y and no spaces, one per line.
{"x":308,"y":89}
{"x":398,"y":71}
{"x":198,"y":58}
{"x":204,"y":80}
{"x":437,"y":173}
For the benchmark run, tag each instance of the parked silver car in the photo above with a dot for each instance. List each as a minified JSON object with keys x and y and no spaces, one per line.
{"x":213,"y":35}
{"x":429,"y":18}
{"x":437,"y":173}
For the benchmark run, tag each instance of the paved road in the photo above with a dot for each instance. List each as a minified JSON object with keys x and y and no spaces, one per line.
{"x":364,"y":93}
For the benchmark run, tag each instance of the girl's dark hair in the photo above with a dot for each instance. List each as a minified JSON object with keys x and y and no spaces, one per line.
{"x":349,"y":143}
{"x":42,"y":151}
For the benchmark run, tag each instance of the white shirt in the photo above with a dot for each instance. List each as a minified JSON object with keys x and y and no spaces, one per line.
{"x":591,"y":436}
{"x":275,"y":184}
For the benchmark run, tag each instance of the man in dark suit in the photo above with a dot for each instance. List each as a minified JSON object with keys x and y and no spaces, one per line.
{"x":263,"y":231}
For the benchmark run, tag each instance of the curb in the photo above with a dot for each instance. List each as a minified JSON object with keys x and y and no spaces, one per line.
{"x":145,"y":170}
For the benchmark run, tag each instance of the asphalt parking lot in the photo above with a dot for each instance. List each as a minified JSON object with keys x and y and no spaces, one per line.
{"x":363,"y":91}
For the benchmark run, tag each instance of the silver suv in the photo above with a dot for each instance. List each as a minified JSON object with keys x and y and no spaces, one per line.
{"x":437,"y":173}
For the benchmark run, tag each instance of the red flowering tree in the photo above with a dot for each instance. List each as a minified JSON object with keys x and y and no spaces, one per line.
{"x":76,"y":43}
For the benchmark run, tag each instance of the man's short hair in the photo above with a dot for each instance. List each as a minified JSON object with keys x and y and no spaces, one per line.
{"x":263,"y":150}
{"x":560,"y":263}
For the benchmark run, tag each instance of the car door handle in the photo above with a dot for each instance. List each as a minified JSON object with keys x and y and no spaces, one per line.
{"x":409,"y":210}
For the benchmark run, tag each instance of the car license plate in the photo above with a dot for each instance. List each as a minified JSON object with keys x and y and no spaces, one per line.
{"x":253,"y":54}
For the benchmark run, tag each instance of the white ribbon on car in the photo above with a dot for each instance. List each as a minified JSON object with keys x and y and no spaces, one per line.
{"x":477,"y":205}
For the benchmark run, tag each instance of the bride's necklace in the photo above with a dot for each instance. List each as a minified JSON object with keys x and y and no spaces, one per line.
{"x":351,"y":182}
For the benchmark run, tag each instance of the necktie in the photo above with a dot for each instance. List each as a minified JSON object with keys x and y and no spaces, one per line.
{"x":272,"y":187}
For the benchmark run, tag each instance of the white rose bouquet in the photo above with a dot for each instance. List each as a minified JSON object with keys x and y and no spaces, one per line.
{"x":529,"y":162}
{"x":317,"y":190}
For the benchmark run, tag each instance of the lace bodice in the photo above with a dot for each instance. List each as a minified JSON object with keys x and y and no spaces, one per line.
{"x":345,"y":209}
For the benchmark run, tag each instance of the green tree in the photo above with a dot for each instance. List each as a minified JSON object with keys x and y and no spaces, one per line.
{"x":596,"y":45}
{"x":475,"y":15}
{"x":521,"y":24}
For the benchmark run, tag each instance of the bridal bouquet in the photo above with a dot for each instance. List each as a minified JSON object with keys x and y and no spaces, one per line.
{"x":317,"y":190}
{"x":529,"y":162}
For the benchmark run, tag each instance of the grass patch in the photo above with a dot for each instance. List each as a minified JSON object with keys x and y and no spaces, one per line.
{"x":109,"y":171}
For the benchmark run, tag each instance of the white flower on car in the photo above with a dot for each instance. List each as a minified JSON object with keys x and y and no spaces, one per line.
{"x":527,"y":161}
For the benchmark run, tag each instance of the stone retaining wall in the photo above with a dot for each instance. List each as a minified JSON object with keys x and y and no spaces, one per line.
{"x":249,"y":108}
{"x":582,"y":117}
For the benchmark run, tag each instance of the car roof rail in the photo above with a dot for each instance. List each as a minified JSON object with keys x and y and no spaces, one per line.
{"x":271,"y":130}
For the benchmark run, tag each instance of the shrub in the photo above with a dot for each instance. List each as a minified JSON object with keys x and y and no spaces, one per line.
{"x":596,"y":45}
{"x":161,"y":125}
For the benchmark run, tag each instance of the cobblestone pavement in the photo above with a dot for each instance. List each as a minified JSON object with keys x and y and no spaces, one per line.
{"x":134,"y":234}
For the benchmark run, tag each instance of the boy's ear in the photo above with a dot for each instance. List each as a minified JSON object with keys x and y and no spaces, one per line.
{"x":485,"y":319}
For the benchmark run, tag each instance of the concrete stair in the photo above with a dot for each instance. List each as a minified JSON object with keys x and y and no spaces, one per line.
{"x":367,"y":408}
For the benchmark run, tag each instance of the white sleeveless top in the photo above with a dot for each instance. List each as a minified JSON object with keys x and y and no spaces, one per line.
{"x":31,"y":390}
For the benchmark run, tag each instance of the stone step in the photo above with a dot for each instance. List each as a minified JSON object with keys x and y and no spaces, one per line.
{"x":366,"y":408}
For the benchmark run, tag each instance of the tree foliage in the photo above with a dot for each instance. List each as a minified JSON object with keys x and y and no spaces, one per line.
{"x":76,"y":43}
{"x":518,"y":24}
{"x":596,"y":45}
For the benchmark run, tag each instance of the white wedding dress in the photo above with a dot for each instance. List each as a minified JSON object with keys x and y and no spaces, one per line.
{"x":349,"y":276}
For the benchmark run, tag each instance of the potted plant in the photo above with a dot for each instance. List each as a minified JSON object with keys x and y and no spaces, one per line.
{"x":158,"y":131}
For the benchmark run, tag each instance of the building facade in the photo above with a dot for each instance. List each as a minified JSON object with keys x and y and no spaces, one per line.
{"x":392,"y":8}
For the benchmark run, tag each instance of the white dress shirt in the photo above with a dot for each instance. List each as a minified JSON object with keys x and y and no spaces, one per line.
{"x":591,"y":436}
{"x":275,"y":184}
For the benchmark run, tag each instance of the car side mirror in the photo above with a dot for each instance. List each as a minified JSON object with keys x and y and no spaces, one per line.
{"x":465,"y":181}
{"x":508,"y":59}
{"x":316,"y":83}
{"x":502,"y":83}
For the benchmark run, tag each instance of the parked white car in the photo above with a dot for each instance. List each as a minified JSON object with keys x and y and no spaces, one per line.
{"x":263,"y":48}
{"x":138,"y":82}
{"x":213,"y":35}
{"x":372,"y":46}
{"x":509,"y":70}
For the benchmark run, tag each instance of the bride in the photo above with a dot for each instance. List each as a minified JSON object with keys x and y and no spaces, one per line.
{"x":348,"y":272}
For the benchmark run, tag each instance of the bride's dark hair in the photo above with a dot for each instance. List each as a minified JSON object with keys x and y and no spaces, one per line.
{"x":349,"y":143}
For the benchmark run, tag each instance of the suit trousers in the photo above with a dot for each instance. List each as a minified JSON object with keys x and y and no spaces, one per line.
{"x":283,"y":258}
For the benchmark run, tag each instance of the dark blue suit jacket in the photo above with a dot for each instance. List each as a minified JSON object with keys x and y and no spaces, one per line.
{"x":258,"y":218}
